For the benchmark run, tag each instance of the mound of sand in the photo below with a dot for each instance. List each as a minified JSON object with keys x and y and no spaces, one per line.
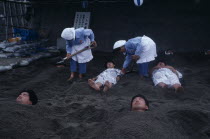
{"x":74,"y":110}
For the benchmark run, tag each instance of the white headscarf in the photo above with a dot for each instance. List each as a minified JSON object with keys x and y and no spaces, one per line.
{"x":68,"y":34}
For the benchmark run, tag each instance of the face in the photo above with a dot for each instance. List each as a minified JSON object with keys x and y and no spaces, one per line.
{"x":122,"y":49}
{"x":139,"y":104}
{"x":110,"y":65}
{"x":23,"y":98}
{"x":161,"y":64}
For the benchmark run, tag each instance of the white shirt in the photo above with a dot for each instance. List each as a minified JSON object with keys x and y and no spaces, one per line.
{"x":110,"y":75}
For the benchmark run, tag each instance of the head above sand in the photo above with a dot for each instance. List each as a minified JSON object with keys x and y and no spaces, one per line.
{"x":139,"y":103}
{"x":27,"y":97}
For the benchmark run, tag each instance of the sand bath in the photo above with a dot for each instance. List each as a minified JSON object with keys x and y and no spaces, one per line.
{"x":74,"y":110}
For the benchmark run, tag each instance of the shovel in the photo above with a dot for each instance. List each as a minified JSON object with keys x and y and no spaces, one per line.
{"x":80,"y":51}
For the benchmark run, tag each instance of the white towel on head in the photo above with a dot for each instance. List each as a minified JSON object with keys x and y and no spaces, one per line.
{"x":68,"y":34}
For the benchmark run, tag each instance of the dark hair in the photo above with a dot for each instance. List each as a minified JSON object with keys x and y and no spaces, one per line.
{"x":32,"y":96}
{"x":163,"y":61}
{"x":109,"y":61}
{"x":141,"y":96}
{"x":116,"y":50}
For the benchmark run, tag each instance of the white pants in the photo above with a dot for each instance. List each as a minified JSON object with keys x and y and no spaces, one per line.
{"x":103,"y":80}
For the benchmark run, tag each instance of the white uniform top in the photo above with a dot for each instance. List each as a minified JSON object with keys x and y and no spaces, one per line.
{"x":166,"y":76}
{"x":82,"y":57}
{"x":109,"y":74}
{"x":144,"y":47}
{"x":148,"y":52}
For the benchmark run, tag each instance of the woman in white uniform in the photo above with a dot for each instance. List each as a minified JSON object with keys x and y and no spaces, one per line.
{"x":141,"y":49}
{"x":76,"y":40}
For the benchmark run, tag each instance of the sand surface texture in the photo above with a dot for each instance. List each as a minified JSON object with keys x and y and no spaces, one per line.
{"x":73,"y":110}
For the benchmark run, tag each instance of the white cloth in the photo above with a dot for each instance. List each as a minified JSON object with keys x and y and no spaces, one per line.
{"x":148,"y":52}
{"x":68,"y":34}
{"x":82,"y":57}
{"x":109,"y":74}
{"x":166,"y":76}
{"x":119,"y":43}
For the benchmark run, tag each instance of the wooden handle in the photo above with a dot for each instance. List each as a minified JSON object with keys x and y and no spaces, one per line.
{"x":82,"y":50}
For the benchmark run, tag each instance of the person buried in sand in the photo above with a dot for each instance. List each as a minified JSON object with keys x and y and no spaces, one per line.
{"x":141,"y":49}
{"x":27,"y":97}
{"x":139,"y":103}
{"x":166,"y":76}
{"x":76,"y":40}
{"x":107,"y":78}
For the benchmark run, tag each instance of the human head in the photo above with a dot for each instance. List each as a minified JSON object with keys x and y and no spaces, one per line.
{"x":119,"y":46}
{"x":139,"y":103}
{"x":27,"y":97}
{"x":109,"y":64}
{"x":161,"y":64}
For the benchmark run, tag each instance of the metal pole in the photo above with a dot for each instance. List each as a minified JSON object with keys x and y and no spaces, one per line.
{"x":11,"y":17}
{"x":6,"y":21}
{"x":25,"y":6}
{"x":17,"y":21}
{"x":15,"y":26}
{"x":21,"y":12}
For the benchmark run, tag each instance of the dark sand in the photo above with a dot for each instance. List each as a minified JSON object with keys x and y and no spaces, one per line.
{"x":73,"y":110}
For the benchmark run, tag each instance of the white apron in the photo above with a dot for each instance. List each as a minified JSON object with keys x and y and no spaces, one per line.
{"x":148,"y":52}
{"x":82,"y":57}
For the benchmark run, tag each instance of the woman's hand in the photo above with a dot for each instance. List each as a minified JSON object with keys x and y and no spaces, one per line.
{"x":135,"y":57}
{"x":68,"y":55}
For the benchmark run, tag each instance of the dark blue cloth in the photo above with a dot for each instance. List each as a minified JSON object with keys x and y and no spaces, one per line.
{"x":26,"y":34}
{"x":74,"y":65}
{"x":143,"y":69}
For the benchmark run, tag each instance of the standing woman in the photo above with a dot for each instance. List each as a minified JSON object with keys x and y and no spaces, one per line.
{"x":141,"y":49}
{"x":76,"y":40}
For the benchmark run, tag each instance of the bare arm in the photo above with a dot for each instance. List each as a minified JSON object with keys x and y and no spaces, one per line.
{"x":173,"y":70}
{"x":118,"y":78}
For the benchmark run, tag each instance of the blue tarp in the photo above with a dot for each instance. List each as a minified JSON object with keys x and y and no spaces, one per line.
{"x":26,"y":34}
